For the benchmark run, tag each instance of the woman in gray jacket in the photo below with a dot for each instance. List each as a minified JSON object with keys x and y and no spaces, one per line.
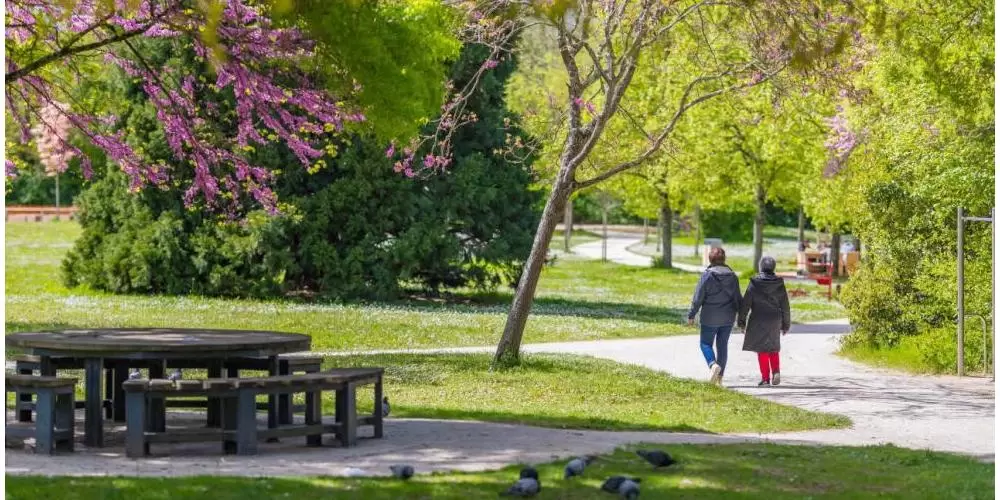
{"x":766,"y":302}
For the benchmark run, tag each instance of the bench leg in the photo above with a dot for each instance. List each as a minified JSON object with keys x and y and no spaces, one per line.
{"x":377,"y":413}
{"x":93,"y":422}
{"x":135,"y":425}
{"x":246,"y":424}
{"x":156,"y":412}
{"x":117,"y":393}
{"x":230,"y":414}
{"x":284,"y":399}
{"x":65,"y":407}
{"x":45,"y":426}
{"x":314,"y":416}
{"x":109,"y":393}
{"x":214,"y":410}
{"x":23,"y":398}
{"x":347,"y":415}
{"x":273,"y":369}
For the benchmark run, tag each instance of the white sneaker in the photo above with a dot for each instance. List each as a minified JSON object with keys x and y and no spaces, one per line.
{"x":775,"y":378}
{"x":716,"y":374}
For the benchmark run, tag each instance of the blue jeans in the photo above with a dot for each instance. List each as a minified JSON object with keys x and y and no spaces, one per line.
{"x":720,"y":335}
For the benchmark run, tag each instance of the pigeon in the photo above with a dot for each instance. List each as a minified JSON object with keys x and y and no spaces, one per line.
{"x":612,"y":483}
{"x":527,"y":486}
{"x":629,"y":489}
{"x":528,"y":472}
{"x":576,"y":466}
{"x":134,"y":374}
{"x":176,"y":375}
{"x":402,"y":471}
{"x":657,"y":458}
{"x":385,"y":406}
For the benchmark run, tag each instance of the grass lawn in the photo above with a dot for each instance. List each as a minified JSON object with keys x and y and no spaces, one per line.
{"x":740,"y":471}
{"x":576,"y":300}
{"x":904,"y":357}
{"x":592,"y":394}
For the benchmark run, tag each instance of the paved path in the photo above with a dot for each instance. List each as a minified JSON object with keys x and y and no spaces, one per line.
{"x":618,"y":252}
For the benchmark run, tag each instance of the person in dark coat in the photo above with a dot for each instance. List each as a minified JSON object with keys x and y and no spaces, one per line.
{"x":717,"y":296}
{"x":766,"y":303}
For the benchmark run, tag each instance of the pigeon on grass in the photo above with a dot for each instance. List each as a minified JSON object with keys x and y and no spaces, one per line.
{"x":629,"y":489}
{"x":613,"y":483}
{"x":403,"y":472}
{"x":134,"y":374}
{"x":526,"y":486}
{"x":176,"y":375}
{"x":576,"y":466}
{"x":385,"y":406}
{"x":657,"y":458}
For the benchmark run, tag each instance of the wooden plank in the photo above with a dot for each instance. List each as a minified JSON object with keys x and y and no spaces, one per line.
{"x":27,"y":382}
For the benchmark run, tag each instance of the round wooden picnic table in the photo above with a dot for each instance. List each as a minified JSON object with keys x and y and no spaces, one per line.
{"x":124,"y":345}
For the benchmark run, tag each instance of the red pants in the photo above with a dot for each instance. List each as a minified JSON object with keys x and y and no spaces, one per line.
{"x":769,"y":364}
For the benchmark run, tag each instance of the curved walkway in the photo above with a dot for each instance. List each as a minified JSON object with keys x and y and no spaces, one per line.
{"x":619,"y":253}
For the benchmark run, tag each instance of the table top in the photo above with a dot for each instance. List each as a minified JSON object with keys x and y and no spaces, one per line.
{"x":159,"y":342}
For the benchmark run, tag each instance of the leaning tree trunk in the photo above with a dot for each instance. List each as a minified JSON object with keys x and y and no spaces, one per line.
{"x":509,"y":348}
{"x":667,"y":234}
{"x":835,"y":253}
{"x":697,"y":231}
{"x":758,"y":227}
{"x":567,"y":224}
{"x":802,"y":226}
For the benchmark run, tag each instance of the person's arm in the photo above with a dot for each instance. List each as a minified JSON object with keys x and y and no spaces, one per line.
{"x":698,"y":299}
{"x":786,"y":310}
{"x":745,"y":306}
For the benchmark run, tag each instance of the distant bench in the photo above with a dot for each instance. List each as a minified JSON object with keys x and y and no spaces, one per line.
{"x":239,"y":431}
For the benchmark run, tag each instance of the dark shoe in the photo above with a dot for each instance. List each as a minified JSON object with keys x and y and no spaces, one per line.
{"x":775,"y":378}
{"x":763,"y":383}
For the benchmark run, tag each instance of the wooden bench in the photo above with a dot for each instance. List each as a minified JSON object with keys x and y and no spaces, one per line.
{"x":283,"y":411}
{"x":238,"y":400}
{"x":55,"y":420}
{"x":115,"y":372}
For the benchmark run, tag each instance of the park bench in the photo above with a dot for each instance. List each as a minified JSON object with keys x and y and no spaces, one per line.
{"x":26,"y":364}
{"x":239,"y":431}
{"x":54,"y":424}
{"x":287,"y":365}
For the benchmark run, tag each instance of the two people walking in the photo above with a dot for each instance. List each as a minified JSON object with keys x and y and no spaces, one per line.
{"x":762,"y":312}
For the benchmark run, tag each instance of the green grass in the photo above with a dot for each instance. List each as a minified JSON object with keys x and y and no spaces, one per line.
{"x":579,"y":237}
{"x":592,"y":394}
{"x":576,"y":300}
{"x":905,"y":356}
{"x":732,"y":471}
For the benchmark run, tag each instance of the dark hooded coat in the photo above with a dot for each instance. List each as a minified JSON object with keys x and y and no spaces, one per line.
{"x":717,"y":296}
{"x":766,"y":303}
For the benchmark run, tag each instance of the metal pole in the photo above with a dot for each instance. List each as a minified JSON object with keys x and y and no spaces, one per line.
{"x":961,"y":293}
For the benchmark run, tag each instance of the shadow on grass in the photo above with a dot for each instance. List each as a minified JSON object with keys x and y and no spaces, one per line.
{"x":740,"y":471}
{"x":550,"y":421}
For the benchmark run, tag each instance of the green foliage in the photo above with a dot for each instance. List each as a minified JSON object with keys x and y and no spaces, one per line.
{"x":395,"y":50}
{"x":354,"y":229}
{"x":735,"y":225}
{"x":928,"y":124}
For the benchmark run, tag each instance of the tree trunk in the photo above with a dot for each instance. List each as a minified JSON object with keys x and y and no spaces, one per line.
{"x":509,"y":347}
{"x":697,"y":230}
{"x":604,"y":232}
{"x":758,"y":227}
{"x":667,"y":221}
{"x":802,"y":226}
{"x":835,"y":253}
{"x":645,"y":232}
{"x":567,"y":224}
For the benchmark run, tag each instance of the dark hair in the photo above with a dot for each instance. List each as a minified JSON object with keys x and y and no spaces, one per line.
{"x":716,"y":256}
{"x":767,"y":264}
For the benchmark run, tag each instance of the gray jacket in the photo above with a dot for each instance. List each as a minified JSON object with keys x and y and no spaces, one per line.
{"x":766,"y":304}
{"x":717,"y":296}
